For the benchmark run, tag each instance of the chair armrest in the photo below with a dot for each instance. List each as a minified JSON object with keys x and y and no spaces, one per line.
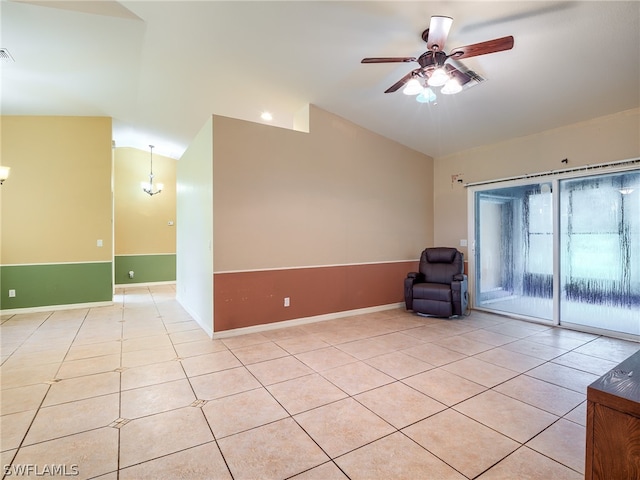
{"x":417,"y":277}
{"x":459,"y":277}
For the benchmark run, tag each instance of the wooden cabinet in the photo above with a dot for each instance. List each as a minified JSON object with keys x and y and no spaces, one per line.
{"x":613,"y":424}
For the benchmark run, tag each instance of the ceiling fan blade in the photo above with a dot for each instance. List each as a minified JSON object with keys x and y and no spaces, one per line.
{"x":438,"y":32}
{"x":388,"y":59}
{"x":482,"y":48}
{"x":401,"y":82}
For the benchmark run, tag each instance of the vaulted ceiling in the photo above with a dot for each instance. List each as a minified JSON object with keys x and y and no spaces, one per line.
{"x":161,"y":68}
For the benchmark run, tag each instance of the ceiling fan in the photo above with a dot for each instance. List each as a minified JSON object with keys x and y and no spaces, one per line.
{"x":437,"y":69}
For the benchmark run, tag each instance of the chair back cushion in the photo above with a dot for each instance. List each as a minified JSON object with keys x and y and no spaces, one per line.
{"x":440,"y":264}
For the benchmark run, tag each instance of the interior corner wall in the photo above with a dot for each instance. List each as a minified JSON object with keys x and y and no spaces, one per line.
{"x":56,"y":211}
{"x":332,"y":219}
{"x":605,"y":139}
{"x":194,"y":232}
{"x":144,"y":225}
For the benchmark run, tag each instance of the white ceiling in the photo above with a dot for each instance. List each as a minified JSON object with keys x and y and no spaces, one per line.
{"x":161,"y":68}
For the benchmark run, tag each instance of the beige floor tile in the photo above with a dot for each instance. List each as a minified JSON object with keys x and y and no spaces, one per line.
{"x":89,"y":366}
{"x":146,"y":343}
{"x":490,"y":338}
{"x":209,"y":363}
{"x":137,"y":358}
{"x":24,"y":376}
{"x":461,"y":442}
{"x":259,"y":353}
{"x":277,"y":450}
{"x":434,"y":354}
{"x":484,"y":373}
{"x":357,"y":377}
{"x":243,"y":411}
{"x":506,"y":415}
{"x":325,"y":358}
{"x":73,"y":417}
{"x":564,"y":441}
{"x":21,"y":399}
{"x":429,"y":333}
{"x":244,"y":340}
{"x":6,"y":457}
{"x":343,"y":426}
{"x":399,"y":365}
{"x":509,"y":359}
{"x":366,"y":348}
{"x":399,"y":341}
{"x":586,"y":363}
{"x":609,"y":348}
{"x":540,"y":394}
{"x":181,"y":326}
{"x":189,"y":336}
{"x":304,"y":393}
{"x":578,"y":415}
{"x":200,"y":347}
{"x":151,"y":437}
{"x":301,"y":343}
{"x":201,"y":462}
{"x":395,"y":457}
{"x":444,"y":386}
{"x":77,"y":352}
{"x":91,"y":453}
{"x":162,"y":397}
{"x":151,"y":374}
{"x":78,"y":388}
{"x":562,"y":376}
{"x":463,"y":345}
{"x":399,"y":404}
{"x":326,"y":471}
{"x":279,"y":370}
{"x":514,"y":329}
{"x":223,"y":383}
{"x":533,"y":349}
{"x":20,"y":360}
{"x":555,"y":338}
{"x":14,"y":427}
{"x":525,"y":464}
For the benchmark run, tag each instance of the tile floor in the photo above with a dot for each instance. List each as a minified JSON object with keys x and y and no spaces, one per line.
{"x":138,"y":390}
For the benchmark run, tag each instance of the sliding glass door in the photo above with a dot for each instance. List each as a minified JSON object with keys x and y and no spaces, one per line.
{"x":514,"y":250}
{"x":592,"y":229}
{"x":600,"y":252}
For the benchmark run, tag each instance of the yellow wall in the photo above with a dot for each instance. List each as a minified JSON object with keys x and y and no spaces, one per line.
{"x":601,"y":140}
{"x":337,"y":195}
{"x":142,"y":221}
{"x":57,"y":202}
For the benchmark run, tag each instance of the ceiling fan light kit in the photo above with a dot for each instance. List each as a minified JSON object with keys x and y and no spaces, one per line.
{"x":437,"y":69}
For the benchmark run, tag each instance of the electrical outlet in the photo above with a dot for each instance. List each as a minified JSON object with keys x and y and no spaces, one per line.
{"x":130,"y":273}
{"x":286,"y":301}
{"x":12,"y":293}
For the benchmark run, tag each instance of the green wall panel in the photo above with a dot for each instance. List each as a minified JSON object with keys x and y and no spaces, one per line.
{"x":57,"y":284}
{"x":146,"y":268}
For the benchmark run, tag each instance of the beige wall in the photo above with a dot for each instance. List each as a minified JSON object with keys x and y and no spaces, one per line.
{"x":605,"y":139}
{"x":56,"y":204}
{"x":142,"y":221}
{"x":337,"y":195}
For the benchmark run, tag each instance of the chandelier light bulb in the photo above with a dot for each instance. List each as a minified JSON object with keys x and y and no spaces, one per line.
{"x":451,"y":87}
{"x":426,"y":96}
{"x":438,"y":78}
{"x":413,"y":87}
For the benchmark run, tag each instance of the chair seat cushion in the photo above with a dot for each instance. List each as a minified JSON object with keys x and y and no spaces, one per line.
{"x":439,"y":292}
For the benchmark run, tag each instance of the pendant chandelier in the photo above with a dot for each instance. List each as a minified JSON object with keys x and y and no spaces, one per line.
{"x":149,"y":187}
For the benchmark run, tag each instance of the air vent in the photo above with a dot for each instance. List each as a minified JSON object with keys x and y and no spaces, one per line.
{"x":5,"y":56}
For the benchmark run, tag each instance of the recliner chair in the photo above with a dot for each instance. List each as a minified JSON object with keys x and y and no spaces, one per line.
{"x":440,"y":287}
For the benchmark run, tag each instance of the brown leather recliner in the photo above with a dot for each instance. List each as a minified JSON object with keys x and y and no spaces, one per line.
{"x":440,"y":287}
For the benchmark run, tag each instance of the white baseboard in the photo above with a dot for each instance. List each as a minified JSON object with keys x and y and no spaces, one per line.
{"x":146,"y":284}
{"x":51,"y":308}
{"x":302,"y":321}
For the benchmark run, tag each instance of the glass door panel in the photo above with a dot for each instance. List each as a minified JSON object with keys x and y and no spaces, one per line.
{"x":600,"y":252}
{"x":514,"y":250}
